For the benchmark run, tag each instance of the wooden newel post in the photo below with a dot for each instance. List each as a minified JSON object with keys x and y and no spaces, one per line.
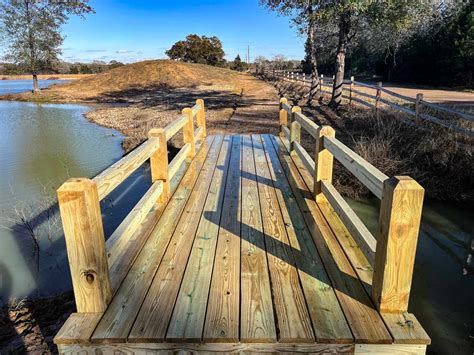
{"x":399,"y":223}
{"x":159,"y":162}
{"x":201,"y":117}
{"x":295,"y":128}
{"x":188,"y":131}
{"x":84,"y":234}
{"x":419,"y":98}
{"x":283,"y":114}
{"x":323,"y":160}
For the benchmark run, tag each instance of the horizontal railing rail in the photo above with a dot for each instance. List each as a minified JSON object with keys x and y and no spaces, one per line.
{"x":414,"y":105}
{"x":91,"y":258}
{"x":391,"y":254}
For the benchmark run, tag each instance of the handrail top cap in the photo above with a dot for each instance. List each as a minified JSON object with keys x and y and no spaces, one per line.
{"x":77,"y":184}
{"x":403,"y":182}
{"x":154,"y":131}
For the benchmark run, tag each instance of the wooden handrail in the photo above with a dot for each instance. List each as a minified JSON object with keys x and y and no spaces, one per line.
{"x":400,"y":212}
{"x":79,"y":204}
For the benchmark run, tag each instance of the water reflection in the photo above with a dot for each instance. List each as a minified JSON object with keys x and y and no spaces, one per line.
{"x":442,"y":295}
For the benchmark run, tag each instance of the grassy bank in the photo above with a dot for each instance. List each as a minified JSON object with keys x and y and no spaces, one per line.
{"x":441,"y":161}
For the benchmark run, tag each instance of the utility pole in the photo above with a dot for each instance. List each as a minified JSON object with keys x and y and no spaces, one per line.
{"x":248,"y":54}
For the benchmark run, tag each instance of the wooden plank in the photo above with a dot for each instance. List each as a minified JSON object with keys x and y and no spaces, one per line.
{"x":323,"y":160}
{"x":187,"y":321}
{"x":287,"y":107}
{"x":286,"y":132}
{"x":439,"y":107}
{"x":390,"y":349}
{"x":159,"y":163}
{"x":223,"y":311}
{"x":211,"y":348}
{"x":198,"y":133}
{"x":367,"y":174}
{"x":118,"y":319}
{"x":133,"y":220}
{"x":201,"y":117}
{"x":365,"y":240}
{"x":85,"y":243}
{"x":111,"y":177}
{"x":328,"y":320}
{"x":179,"y":159}
{"x":307,"y":124}
{"x":403,"y":97}
{"x":305,"y":157}
{"x":175,"y":126}
{"x":294,"y":322}
{"x":188,"y":131}
{"x":78,"y":325}
{"x":257,"y":322}
{"x":400,"y":217}
{"x":161,"y":296}
{"x":364,"y":320}
{"x":404,"y":327}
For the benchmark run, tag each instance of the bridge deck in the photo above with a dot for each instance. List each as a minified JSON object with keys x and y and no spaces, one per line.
{"x":244,"y":257}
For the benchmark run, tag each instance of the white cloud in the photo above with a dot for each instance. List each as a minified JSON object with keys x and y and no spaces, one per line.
{"x":121,"y":51}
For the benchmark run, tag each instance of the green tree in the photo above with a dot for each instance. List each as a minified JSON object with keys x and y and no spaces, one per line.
{"x":303,"y":16}
{"x":31,"y":31}
{"x":196,"y":49}
{"x":238,"y":64}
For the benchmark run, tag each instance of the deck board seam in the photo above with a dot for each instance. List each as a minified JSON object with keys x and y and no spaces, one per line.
{"x":171,"y":234}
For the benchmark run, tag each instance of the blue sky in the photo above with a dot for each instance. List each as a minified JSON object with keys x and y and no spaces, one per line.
{"x":129,"y":31}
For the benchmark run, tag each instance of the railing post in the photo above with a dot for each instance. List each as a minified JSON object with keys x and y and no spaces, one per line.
{"x":378,"y":94}
{"x":283,"y":114}
{"x":159,"y":162}
{"x":201,"y":117}
{"x":418,"y":104}
{"x":323,"y":162}
{"x":399,"y":223}
{"x":321,"y":82}
{"x":295,"y":128}
{"x":351,"y":87}
{"x":188,"y":131}
{"x":84,"y":234}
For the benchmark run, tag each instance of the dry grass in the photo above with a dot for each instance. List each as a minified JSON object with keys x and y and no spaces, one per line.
{"x":440,"y":160}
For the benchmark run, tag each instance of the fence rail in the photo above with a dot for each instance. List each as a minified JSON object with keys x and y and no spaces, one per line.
{"x":392,"y":252}
{"x":412,"y":106}
{"x":92,"y":260}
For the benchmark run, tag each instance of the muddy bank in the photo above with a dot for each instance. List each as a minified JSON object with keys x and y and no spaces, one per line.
{"x":30,"y":325}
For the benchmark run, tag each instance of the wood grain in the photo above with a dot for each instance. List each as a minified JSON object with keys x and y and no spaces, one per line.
{"x":294,"y":322}
{"x":161,"y":296}
{"x":223,"y":310}
{"x":257,"y":322}
{"x":187,"y":321}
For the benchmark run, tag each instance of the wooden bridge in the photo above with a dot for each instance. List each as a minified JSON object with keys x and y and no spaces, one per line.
{"x":242,"y":244}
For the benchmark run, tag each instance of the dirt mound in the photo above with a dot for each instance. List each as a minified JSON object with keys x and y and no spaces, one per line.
{"x":148,"y":76}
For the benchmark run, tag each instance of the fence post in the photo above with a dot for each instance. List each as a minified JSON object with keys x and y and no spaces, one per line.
{"x":323,"y":162}
{"x":351,"y":89}
{"x":295,"y":128}
{"x":84,"y":234}
{"x":283,"y":114}
{"x":321,"y":82}
{"x":418,"y":104}
{"x":377,"y":97}
{"x":159,"y":162}
{"x":188,"y":131}
{"x":399,"y":224}
{"x":201,"y":117}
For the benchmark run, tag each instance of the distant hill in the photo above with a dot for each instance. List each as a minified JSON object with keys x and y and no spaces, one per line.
{"x":142,"y":76}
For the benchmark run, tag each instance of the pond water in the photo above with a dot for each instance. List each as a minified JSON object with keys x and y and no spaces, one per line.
{"x":442,"y":296}
{"x":17,"y":86}
{"x":41,"y":145}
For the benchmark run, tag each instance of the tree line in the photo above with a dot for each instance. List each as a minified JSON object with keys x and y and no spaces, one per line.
{"x":62,"y":67}
{"x":402,"y":40}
